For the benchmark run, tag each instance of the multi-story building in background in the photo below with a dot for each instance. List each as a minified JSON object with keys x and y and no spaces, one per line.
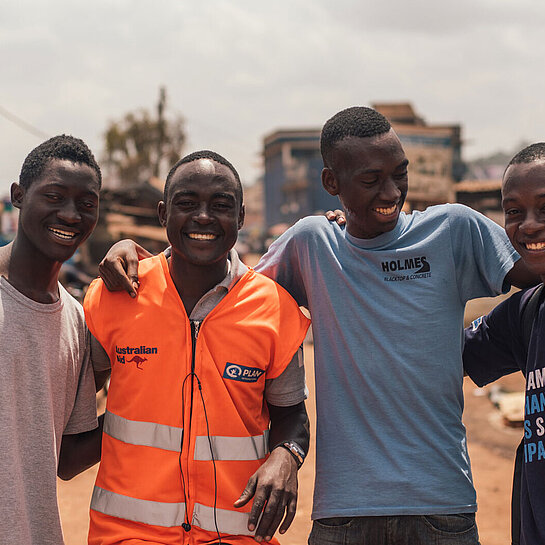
{"x":293,"y":165}
{"x":293,"y":188}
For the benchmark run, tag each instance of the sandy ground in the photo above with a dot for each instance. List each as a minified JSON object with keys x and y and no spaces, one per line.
{"x":491,"y":447}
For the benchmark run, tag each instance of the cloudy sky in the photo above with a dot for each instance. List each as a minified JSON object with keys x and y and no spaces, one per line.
{"x":237,"y":70}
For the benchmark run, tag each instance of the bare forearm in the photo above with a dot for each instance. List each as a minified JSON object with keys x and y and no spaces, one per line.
{"x":80,"y":451}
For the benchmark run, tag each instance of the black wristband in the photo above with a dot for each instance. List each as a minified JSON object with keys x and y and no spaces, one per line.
{"x":295,"y":450}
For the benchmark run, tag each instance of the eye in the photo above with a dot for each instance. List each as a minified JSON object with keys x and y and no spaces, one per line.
{"x":401,"y":175}
{"x":222,"y":206}
{"x":512,"y":212}
{"x":89,"y":204}
{"x":369,"y":181}
{"x":53,"y":197}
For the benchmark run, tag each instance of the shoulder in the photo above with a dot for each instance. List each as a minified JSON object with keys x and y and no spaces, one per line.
{"x":450,"y":211}
{"x":267,"y":287}
{"x":312,"y":226}
{"x":70,"y":303}
{"x":97,"y":291}
{"x":460,"y":214}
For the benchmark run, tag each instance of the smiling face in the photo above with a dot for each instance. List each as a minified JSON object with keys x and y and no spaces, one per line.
{"x":369,"y":175}
{"x":523,"y":201}
{"x":202,"y":212}
{"x":59,"y":210}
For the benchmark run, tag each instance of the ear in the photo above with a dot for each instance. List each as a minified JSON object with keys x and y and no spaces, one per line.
{"x":162,"y":213}
{"x":17,"y":194}
{"x":241,"y":216}
{"x":329,"y":181}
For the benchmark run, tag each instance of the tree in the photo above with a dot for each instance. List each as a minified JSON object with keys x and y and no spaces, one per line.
{"x":141,"y":145}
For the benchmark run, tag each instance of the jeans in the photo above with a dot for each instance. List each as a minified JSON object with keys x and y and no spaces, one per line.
{"x":396,"y":530}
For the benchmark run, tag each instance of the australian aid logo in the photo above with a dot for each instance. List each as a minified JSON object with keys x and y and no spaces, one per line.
{"x":134,"y":354}
{"x":241,"y":373}
{"x":409,"y":268}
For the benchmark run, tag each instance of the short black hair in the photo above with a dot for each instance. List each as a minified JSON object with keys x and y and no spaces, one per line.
{"x":533,"y":152}
{"x":204,"y":154}
{"x":59,"y":147}
{"x":359,"y":121}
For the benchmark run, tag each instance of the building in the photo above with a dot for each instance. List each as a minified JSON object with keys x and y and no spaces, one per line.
{"x":293,"y":164}
{"x":293,"y":187}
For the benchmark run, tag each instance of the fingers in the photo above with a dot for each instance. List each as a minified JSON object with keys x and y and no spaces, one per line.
{"x":274,"y":512}
{"x":336,"y":215}
{"x":119,"y":269}
{"x":291,"y":508}
{"x":247,"y":493}
{"x":339,"y":216}
{"x":115,"y":278}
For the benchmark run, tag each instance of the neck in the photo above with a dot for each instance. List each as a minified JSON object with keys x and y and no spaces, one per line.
{"x":29,"y":271}
{"x":193,"y":281}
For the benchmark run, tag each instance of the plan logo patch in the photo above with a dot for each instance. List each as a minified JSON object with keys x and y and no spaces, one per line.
{"x":241,"y":373}
{"x":410,"y":268}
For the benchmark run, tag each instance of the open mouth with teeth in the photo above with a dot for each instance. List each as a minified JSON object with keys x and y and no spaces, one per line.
{"x":386,"y":211}
{"x":201,"y":236}
{"x":534,"y":246}
{"x":63,"y":234}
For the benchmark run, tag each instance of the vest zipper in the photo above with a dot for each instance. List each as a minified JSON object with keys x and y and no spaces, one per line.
{"x":195,"y":325}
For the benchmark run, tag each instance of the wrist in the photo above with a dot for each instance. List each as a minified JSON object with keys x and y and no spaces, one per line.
{"x":297,"y":453}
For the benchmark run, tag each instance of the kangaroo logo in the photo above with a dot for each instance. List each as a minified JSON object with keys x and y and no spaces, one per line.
{"x":138,"y":360}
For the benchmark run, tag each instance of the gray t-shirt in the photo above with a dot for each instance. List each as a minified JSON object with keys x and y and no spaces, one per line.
{"x":46,"y":390}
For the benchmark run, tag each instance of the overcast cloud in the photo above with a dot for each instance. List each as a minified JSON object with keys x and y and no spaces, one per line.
{"x":236,"y":70}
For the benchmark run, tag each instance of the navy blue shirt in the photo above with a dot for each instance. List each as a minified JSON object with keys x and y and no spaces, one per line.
{"x":494,"y":347}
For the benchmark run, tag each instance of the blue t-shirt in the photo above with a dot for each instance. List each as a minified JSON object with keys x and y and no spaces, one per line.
{"x":387,"y":318}
{"x":495,"y":347}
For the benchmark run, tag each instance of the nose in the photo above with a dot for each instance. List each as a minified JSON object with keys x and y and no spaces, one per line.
{"x":202,"y":214}
{"x":69,"y":212}
{"x":530,"y":223}
{"x":390,"y":191}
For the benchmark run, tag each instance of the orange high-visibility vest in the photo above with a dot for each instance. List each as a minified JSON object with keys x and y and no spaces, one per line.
{"x":186,"y":420}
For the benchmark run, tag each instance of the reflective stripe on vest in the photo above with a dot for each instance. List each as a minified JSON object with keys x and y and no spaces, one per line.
{"x":165,"y":437}
{"x":149,"y":512}
{"x":165,"y":514}
{"x":232,"y":448}
{"x":229,"y":522}
{"x":148,"y":434}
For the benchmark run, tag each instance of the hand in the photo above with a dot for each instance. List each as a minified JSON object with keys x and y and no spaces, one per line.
{"x":274,"y":488}
{"x":119,"y":269}
{"x":336,"y":215}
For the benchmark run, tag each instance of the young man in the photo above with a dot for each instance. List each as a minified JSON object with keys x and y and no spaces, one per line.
{"x":202,"y":363}
{"x":387,"y":297}
{"x":495,"y":344}
{"x":47,"y":390}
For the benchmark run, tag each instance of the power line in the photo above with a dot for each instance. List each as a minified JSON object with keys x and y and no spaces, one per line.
{"x":22,"y":124}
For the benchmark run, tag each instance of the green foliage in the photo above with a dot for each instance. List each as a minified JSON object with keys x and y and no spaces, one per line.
{"x":140,"y":145}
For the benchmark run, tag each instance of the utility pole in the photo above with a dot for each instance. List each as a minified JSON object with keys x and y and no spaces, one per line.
{"x":160,"y":129}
